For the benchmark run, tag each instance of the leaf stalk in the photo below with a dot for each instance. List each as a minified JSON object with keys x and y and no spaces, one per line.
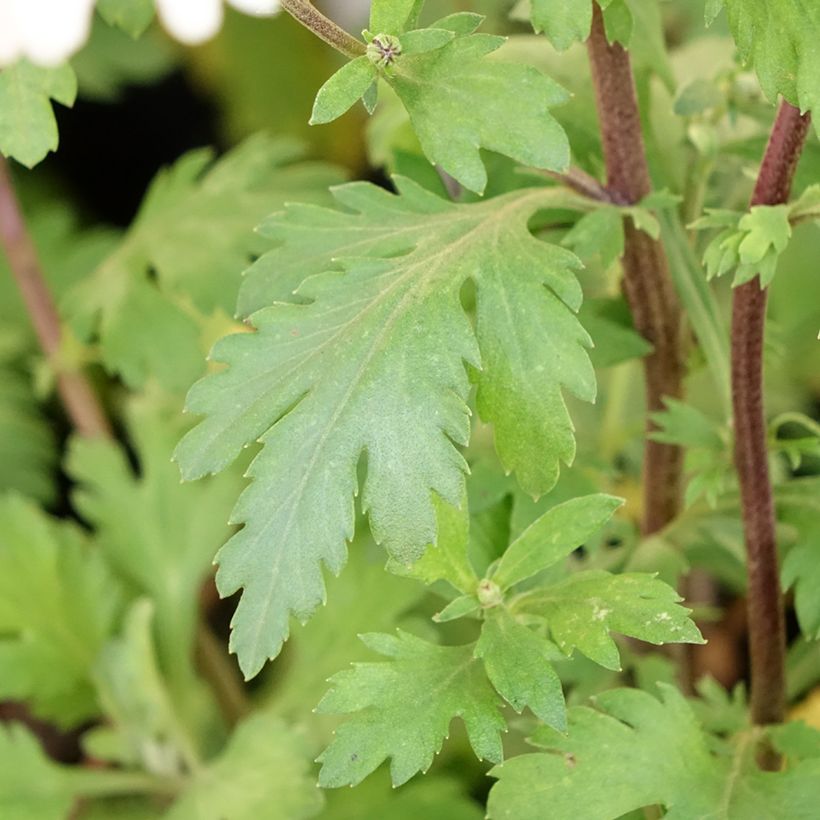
{"x":311,"y":18}
{"x":76,"y":393}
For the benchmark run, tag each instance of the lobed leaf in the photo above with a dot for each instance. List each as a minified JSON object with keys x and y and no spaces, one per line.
{"x":374,"y":365}
{"x":402,"y":710}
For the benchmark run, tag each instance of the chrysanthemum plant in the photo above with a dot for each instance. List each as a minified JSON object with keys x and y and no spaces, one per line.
{"x":435,"y":376}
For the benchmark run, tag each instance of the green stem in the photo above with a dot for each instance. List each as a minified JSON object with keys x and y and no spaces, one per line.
{"x":325,"y":29}
{"x":107,"y":783}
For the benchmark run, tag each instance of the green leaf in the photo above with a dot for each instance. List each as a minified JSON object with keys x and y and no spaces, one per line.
{"x":778,"y":38}
{"x":132,"y":16}
{"x":554,"y":536}
{"x":402,"y":709}
{"x":598,"y":233}
{"x":58,"y":605}
{"x":581,"y":610}
{"x":394,"y":16}
{"x":446,"y":560}
{"x":264,"y":772}
{"x":609,"y":322}
{"x":518,"y":663}
{"x":28,"y":449}
{"x":28,"y":130}
{"x":750,"y":243}
{"x":564,"y":23}
{"x":423,"y":40}
{"x":159,"y":534}
{"x":459,"y":101}
{"x":633,"y":751}
{"x":799,"y":508}
{"x":342,"y":90}
{"x":181,"y":258}
{"x":31,"y":786}
{"x":375,"y":363}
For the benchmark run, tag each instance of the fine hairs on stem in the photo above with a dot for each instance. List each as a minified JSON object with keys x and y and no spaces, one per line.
{"x":767,"y":638}
{"x":647,"y":282}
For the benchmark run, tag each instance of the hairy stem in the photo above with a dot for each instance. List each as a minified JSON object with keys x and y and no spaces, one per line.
{"x":325,"y":29}
{"x":647,"y":281}
{"x":767,"y":641}
{"x":78,"y":397}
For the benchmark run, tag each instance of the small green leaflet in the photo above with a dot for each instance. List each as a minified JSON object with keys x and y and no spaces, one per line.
{"x":518,"y":662}
{"x":798,"y":507}
{"x":132,"y":16}
{"x":778,"y":38}
{"x":749,"y":244}
{"x":394,"y":16}
{"x":581,"y":610}
{"x":58,"y":605}
{"x":375,"y":364}
{"x":402,"y":709}
{"x":28,"y":130}
{"x":632,"y":751}
{"x":193,"y":232}
{"x":553,"y":537}
{"x":28,"y":447}
{"x":459,"y":101}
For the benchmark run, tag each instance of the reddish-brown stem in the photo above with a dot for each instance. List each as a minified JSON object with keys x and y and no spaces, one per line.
{"x":647,"y":283}
{"x":767,"y":640}
{"x":77,"y":395}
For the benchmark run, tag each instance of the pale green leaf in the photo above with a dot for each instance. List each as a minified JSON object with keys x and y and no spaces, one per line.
{"x":423,"y":40}
{"x":778,"y":38}
{"x":193,"y":236}
{"x":633,"y":751}
{"x":159,"y":534}
{"x":564,"y":23}
{"x":402,"y":709}
{"x":394,"y":16}
{"x":581,"y":610}
{"x":263,"y":774}
{"x":375,"y":364}
{"x":342,"y":90}
{"x":553,"y":537}
{"x":28,"y":130}
{"x":459,"y":101}
{"x":518,"y":663}
{"x":58,"y":605}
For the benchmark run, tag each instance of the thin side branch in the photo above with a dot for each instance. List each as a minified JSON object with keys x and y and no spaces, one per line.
{"x":325,"y":29}
{"x":77,"y":395}
{"x":767,"y":638}
{"x":647,"y":281}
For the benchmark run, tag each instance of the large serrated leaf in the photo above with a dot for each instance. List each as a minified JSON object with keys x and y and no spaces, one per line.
{"x":374,"y":365}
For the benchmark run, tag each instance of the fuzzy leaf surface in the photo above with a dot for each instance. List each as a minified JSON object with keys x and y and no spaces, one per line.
{"x":374,"y":363}
{"x":28,"y":130}
{"x":633,"y":751}
{"x":581,"y":610}
{"x":778,"y":38}
{"x":402,"y":709}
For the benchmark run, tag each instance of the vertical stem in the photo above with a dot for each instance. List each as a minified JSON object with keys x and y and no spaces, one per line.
{"x":647,"y":281}
{"x":78,"y":397}
{"x":767,"y":641}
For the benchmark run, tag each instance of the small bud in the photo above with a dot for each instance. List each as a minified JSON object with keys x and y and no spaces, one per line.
{"x":489,"y":594}
{"x":383,"y":50}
